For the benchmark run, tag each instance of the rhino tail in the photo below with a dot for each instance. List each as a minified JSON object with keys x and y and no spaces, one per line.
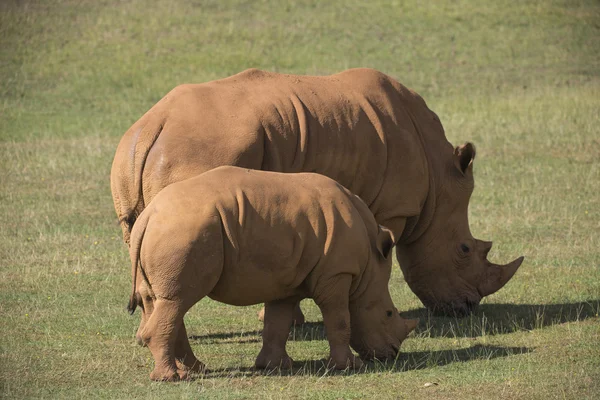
{"x":142,"y":141}
{"x":135,"y":247}
{"x":140,"y":149}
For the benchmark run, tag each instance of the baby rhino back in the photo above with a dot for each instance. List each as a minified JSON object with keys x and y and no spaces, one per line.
{"x":280,"y":233}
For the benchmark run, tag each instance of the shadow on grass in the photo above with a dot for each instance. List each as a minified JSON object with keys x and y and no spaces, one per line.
{"x":305,"y":332}
{"x":239,"y":337}
{"x":494,"y":319}
{"x":405,"y":362}
{"x":489,"y":319}
{"x":308,"y":331}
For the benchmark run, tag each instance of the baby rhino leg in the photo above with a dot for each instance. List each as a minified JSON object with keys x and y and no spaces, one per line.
{"x":192,"y":270}
{"x":184,"y":356}
{"x":278,"y":320}
{"x":333,"y":302}
{"x":160,"y":333}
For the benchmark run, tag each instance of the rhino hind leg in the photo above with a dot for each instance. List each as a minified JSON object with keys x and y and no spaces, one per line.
{"x":278,"y":318}
{"x":160,"y":334}
{"x":336,"y":318}
{"x":184,"y":356}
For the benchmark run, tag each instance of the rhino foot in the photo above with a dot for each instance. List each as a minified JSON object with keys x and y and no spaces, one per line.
{"x":170,"y":375}
{"x":340,"y":363}
{"x":273,"y":361}
{"x":184,"y":375}
{"x":193,"y":366}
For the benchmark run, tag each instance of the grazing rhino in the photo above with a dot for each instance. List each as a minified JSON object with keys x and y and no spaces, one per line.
{"x":359,"y":127}
{"x":244,"y":237}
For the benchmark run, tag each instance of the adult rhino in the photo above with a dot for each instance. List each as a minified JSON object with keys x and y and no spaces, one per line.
{"x":360,"y":127}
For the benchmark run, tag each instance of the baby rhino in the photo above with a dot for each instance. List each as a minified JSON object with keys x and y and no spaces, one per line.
{"x":245,"y":237}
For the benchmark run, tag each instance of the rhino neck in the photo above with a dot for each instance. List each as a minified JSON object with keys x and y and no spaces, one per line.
{"x":418,"y":224}
{"x":438,"y":151}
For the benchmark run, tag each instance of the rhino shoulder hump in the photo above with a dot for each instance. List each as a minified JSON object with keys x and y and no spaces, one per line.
{"x":365,"y":72}
{"x":252,"y":73}
{"x":181,"y":90}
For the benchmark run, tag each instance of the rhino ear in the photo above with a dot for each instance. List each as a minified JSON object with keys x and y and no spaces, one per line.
{"x":385,"y":241}
{"x":464,"y":156}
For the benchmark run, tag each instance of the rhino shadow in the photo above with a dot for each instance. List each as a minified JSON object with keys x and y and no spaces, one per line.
{"x":488,"y":319}
{"x":240,"y":337}
{"x":300,"y":333}
{"x":427,"y":359}
{"x":406,"y":362}
{"x":308,"y":331}
{"x":495,"y":319}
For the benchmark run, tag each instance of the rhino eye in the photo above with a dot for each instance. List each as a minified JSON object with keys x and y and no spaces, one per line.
{"x":465,"y":248}
{"x":389,"y":313}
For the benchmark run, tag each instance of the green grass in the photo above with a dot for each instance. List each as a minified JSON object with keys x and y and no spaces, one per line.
{"x":520,"y":79}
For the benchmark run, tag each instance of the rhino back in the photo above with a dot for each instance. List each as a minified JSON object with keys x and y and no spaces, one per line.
{"x":355,"y":127}
{"x":277,"y":251}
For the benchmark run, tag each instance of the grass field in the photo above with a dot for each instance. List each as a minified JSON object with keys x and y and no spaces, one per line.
{"x":521,"y":79}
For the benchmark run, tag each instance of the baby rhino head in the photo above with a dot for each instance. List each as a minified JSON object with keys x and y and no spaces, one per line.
{"x":380,"y":338}
{"x":377,"y":329}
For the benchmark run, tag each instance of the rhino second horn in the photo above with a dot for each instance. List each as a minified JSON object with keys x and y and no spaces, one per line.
{"x":498,"y":276}
{"x":487,"y":246}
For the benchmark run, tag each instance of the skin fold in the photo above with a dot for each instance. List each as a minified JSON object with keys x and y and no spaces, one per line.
{"x":245,"y":237}
{"x":359,"y":127}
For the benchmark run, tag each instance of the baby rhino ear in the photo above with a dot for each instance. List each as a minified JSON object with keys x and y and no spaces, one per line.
{"x":385,"y":242}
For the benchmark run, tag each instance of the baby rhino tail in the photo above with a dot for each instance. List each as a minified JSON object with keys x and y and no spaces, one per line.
{"x":133,"y":302}
{"x":137,"y":235}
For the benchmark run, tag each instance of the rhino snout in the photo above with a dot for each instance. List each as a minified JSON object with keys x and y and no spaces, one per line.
{"x":384,"y":353}
{"x":459,"y":309}
{"x":381,"y":355}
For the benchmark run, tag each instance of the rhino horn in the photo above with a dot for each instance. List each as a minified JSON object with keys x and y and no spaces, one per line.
{"x":498,"y":276}
{"x":485,"y":246}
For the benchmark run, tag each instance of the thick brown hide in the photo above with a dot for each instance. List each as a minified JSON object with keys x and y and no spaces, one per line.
{"x":359,"y":127}
{"x":244,"y":237}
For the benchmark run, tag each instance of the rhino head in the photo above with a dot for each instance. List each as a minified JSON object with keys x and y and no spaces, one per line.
{"x":444,"y":265}
{"x":380,"y":333}
{"x":377,"y":330}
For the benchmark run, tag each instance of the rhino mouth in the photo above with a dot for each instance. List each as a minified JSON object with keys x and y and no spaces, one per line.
{"x":456,"y":309}
{"x":460,"y":310}
{"x":384,"y":354}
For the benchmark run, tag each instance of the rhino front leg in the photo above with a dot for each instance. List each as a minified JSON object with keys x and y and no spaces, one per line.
{"x":278,"y":320}
{"x":160,"y":334}
{"x":336,"y":318}
{"x":184,"y":355}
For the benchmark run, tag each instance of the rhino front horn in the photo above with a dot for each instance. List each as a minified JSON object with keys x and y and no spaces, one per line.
{"x":498,"y":276}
